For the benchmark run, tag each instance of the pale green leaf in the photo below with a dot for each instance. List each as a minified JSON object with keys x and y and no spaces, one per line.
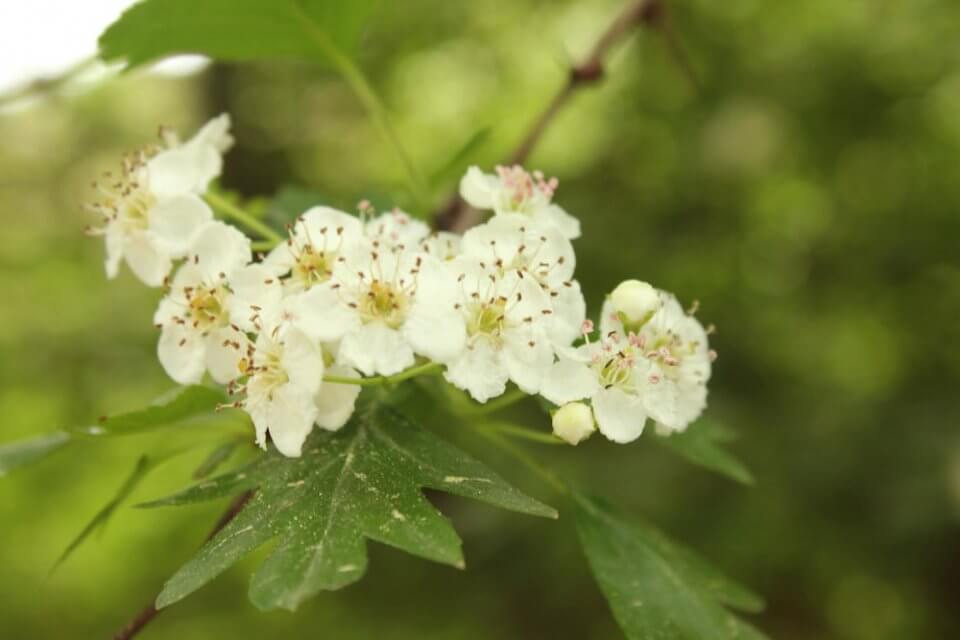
{"x":176,"y":406}
{"x":701,"y":445}
{"x":657,"y":589}
{"x":235,"y":29}
{"x":216,"y":458}
{"x":24,"y":452}
{"x":362,"y":482}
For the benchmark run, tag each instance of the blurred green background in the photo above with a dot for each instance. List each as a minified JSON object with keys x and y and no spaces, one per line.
{"x":808,"y":194}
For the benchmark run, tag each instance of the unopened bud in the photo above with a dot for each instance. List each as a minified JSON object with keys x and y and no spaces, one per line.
{"x":635,"y":302}
{"x":573,"y":423}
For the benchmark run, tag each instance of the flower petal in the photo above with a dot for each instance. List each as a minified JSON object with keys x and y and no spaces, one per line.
{"x":302,"y":360}
{"x":147,"y":261}
{"x":556,"y":217}
{"x":288,"y":416}
{"x":478,"y":188}
{"x":224,"y":349}
{"x":321,"y":314}
{"x":479,"y":371}
{"x":568,"y":380}
{"x":175,"y":222}
{"x":620,"y":416}
{"x":181,"y":353}
{"x":376,"y":349}
{"x":256,"y":299}
{"x":335,"y":402}
{"x":219,"y":249}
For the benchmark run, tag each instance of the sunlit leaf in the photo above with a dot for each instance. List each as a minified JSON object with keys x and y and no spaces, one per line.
{"x":656,"y":588}
{"x":24,"y":452}
{"x":701,"y":445}
{"x":362,"y":482}
{"x":216,"y":458}
{"x":178,"y":405}
{"x":235,"y":29}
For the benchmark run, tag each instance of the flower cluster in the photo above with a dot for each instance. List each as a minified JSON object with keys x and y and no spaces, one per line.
{"x":294,"y":332}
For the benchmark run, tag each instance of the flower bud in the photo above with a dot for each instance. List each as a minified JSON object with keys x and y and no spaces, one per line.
{"x":573,"y":423}
{"x":635,"y":302}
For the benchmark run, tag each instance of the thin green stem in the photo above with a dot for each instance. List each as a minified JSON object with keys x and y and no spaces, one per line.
{"x":376,"y":381}
{"x":364,"y":91}
{"x":506,"y":400}
{"x":232,"y":211}
{"x":522,"y":433}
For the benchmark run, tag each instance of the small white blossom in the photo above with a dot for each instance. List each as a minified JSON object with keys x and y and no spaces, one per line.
{"x":442,"y":245}
{"x":385,"y":304}
{"x":658,"y":370}
{"x":573,"y":423}
{"x":514,"y":242}
{"x":504,"y":317}
{"x":152,"y":211}
{"x":395,"y":229}
{"x":281,"y":379}
{"x":513,"y":190}
{"x":214,"y":299}
{"x":634,"y":301}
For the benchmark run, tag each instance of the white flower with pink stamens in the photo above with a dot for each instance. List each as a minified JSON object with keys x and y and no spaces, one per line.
{"x":396,"y":229}
{"x":514,"y":190}
{"x":658,"y":369}
{"x":152,"y":210}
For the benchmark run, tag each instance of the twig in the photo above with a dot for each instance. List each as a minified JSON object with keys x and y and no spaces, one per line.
{"x":149,"y":612}
{"x":456,"y":215}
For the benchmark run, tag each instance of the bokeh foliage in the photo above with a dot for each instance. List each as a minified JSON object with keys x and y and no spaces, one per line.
{"x":807,"y":194}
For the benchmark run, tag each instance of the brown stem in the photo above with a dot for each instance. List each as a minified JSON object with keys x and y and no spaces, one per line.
{"x":149,"y":612}
{"x":456,"y":215}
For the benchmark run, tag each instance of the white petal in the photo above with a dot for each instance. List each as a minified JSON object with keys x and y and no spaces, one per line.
{"x":556,"y":217}
{"x":114,"y":241}
{"x":183,"y":170}
{"x":223,"y":356}
{"x":479,"y":371}
{"x":376,"y":349}
{"x":398,"y":228}
{"x":609,"y":320}
{"x":321,"y":313}
{"x":434,"y":327}
{"x":181,"y":353}
{"x":335,"y":402}
{"x":478,"y":188}
{"x":215,"y":134}
{"x":567,"y":381}
{"x":220,"y":249}
{"x":620,"y":417}
{"x":176,"y":221}
{"x":528,"y":356}
{"x":302,"y":360}
{"x":147,"y":261}
{"x":256,"y":299}
{"x":289,"y":417}
{"x":569,"y":312}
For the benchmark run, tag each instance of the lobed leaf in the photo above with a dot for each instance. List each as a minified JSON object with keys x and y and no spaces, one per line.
{"x":361,"y":482}
{"x":700,"y":444}
{"x":656,"y":588}
{"x":235,"y":29}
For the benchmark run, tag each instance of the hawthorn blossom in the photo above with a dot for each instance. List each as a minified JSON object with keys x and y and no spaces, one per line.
{"x":658,"y":369}
{"x":395,"y":229}
{"x":514,"y":190}
{"x":214,"y":299}
{"x":152,"y":210}
{"x":385,"y":304}
{"x":573,"y":423}
{"x":281,"y":377}
{"x":503,"y":316}
{"x":512,"y":241}
{"x":317,"y":241}
{"x":442,"y":245}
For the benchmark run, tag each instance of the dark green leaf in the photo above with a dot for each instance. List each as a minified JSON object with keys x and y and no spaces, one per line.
{"x":24,"y":452}
{"x":235,"y":29}
{"x":700,"y":444}
{"x":179,"y":404}
{"x":456,"y":165}
{"x":362,"y":482}
{"x":216,"y":458}
{"x":657,"y":588}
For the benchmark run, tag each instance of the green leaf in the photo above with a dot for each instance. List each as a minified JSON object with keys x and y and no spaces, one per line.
{"x":216,"y":458}
{"x":700,"y":444}
{"x":24,"y":452}
{"x":235,"y":29}
{"x":143,"y":467}
{"x":363,"y":481}
{"x":657,"y":588}
{"x":179,"y":404}
{"x":457,"y":164}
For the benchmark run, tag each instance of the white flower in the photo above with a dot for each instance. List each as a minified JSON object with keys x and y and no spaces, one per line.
{"x":514,"y":242}
{"x":657,"y":370}
{"x":396,"y":229}
{"x":152,"y":210}
{"x":502,"y":316}
{"x":573,"y":423}
{"x":317,"y":241}
{"x":513,"y":190}
{"x":385,"y":305}
{"x":442,"y":245}
{"x":283,"y":374}
{"x":214,"y":298}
